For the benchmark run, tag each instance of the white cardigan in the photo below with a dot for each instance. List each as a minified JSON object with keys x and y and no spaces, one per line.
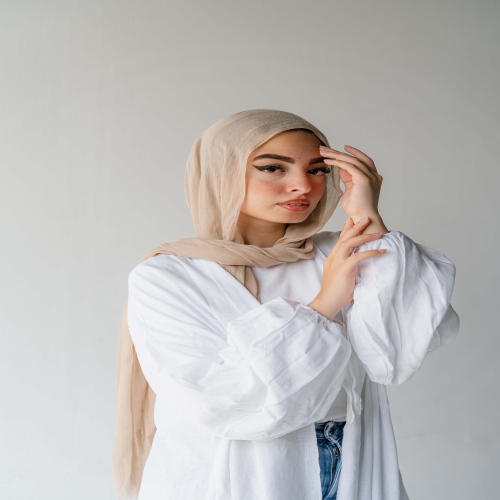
{"x":240,"y":384}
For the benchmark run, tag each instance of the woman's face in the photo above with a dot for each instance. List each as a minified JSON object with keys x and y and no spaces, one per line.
{"x":287,"y":168}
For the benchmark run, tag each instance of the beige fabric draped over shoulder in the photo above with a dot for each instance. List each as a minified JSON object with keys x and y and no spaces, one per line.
{"x":215,"y":190}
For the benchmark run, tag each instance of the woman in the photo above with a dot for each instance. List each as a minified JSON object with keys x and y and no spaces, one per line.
{"x":263,"y":345}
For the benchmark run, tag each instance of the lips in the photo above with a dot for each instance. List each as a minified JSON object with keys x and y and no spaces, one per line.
{"x":298,"y":205}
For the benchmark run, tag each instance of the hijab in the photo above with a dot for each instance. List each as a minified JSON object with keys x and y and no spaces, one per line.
{"x":215,"y":190}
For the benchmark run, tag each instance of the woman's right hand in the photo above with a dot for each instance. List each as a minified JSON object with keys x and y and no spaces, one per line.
{"x":339,"y":269}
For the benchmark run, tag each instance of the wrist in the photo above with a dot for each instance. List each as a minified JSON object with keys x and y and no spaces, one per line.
{"x":327,"y":309}
{"x":376,"y":223}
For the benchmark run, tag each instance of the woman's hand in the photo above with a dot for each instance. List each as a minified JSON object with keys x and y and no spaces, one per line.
{"x":362,"y":185}
{"x":339,"y":269}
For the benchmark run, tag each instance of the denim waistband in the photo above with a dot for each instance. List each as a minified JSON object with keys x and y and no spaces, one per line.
{"x":329,"y":428}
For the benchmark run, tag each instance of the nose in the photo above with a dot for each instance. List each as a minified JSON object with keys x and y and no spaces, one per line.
{"x":299,"y":182}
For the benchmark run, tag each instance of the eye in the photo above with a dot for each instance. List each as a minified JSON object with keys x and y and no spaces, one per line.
{"x":272,"y":169}
{"x":266,"y":168}
{"x":325,"y":170}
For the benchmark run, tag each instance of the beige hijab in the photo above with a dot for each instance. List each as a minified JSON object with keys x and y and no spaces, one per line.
{"x":215,"y":190}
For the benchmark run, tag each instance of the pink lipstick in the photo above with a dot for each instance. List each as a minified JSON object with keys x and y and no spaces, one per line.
{"x":298,"y":205}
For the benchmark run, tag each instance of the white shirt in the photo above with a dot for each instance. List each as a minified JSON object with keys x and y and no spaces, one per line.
{"x":239,"y":384}
{"x":298,"y":281}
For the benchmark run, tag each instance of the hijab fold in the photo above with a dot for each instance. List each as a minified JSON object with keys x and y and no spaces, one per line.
{"x":215,"y":191}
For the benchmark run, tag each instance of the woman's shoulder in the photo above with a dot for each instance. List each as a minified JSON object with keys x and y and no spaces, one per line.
{"x":160,"y":268}
{"x":168,"y":283}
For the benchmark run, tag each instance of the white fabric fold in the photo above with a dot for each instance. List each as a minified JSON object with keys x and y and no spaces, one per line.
{"x":401,"y":308}
{"x":278,"y":367}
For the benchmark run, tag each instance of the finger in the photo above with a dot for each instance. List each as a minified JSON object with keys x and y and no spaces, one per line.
{"x":360,"y":169}
{"x":347,"y":225}
{"x":354,"y":229}
{"x":358,"y":257}
{"x":346,"y":246}
{"x":338,"y":155}
{"x":359,"y":154}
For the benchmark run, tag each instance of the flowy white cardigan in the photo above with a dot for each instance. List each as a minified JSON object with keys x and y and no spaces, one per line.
{"x":239,"y":384}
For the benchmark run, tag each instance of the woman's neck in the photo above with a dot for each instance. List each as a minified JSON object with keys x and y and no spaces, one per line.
{"x":260,"y":233}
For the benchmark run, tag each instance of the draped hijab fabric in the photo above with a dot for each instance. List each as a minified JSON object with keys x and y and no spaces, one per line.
{"x":215,"y":191}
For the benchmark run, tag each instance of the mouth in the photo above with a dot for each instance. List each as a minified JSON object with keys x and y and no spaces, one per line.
{"x":295,"y":205}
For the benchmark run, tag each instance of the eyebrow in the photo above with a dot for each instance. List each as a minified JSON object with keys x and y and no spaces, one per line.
{"x":286,"y":159}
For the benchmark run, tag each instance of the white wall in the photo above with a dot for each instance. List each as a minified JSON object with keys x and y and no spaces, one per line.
{"x":100,"y":102}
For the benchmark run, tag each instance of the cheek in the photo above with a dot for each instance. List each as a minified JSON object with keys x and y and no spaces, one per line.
{"x":259,"y":189}
{"x":317,"y":189}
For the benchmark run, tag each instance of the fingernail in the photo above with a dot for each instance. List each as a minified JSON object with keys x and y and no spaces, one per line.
{"x":382,"y":251}
{"x":374,"y":234}
{"x":362,"y":220}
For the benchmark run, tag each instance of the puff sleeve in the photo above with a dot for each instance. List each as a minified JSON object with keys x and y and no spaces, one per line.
{"x":401,"y":309}
{"x":276,"y":368}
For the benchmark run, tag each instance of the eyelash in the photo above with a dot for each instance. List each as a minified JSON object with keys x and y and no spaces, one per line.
{"x":325,"y":170}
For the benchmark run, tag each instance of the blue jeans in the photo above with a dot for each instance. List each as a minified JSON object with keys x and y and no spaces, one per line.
{"x":329,"y":436}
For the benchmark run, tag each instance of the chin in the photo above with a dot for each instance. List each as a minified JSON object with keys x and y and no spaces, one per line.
{"x":295,"y":220}
{"x":291,"y":218}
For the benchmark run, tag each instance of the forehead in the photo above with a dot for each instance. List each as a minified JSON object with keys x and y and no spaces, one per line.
{"x":292,"y":142}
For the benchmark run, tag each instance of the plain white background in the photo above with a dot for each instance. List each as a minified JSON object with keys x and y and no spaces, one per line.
{"x":100,"y":103}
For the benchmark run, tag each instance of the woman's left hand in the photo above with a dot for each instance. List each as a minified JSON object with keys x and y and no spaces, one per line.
{"x":362,"y":185}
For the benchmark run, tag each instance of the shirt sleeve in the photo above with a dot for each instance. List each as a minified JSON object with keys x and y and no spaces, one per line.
{"x":401,"y":308}
{"x":273,"y":370}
